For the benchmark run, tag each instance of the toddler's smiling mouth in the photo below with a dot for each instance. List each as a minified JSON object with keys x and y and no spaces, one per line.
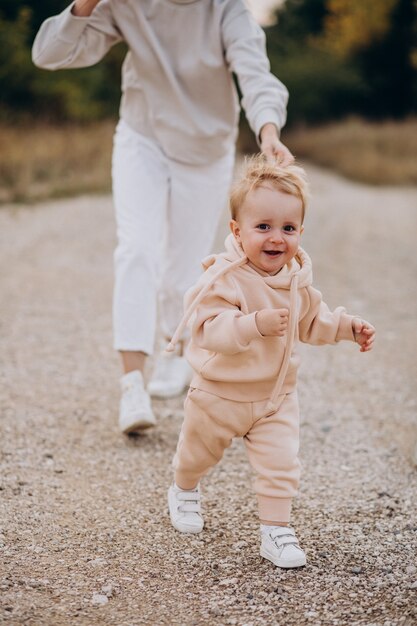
{"x":273,"y":252}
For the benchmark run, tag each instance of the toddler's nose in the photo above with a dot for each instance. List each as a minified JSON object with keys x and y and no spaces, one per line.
{"x":276,"y":236}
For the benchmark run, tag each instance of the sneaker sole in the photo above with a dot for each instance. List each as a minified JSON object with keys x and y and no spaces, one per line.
{"x":164,"y":395}
{"x":187,"y":530}
{"x":282,"y":562}
{"x":137,"y":426}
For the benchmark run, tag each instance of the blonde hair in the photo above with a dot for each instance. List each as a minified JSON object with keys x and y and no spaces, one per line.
{"x":257,"y":171}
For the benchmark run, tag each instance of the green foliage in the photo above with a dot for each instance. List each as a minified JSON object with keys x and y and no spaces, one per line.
{"x":376,"y":80}
{"x":71,"y":95}
{"x":15,"y":64}
{"x":387,"y":66}
{"x":320,"y":86}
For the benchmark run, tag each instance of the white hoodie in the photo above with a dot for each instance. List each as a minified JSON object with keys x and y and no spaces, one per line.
{"x":177,"y":79}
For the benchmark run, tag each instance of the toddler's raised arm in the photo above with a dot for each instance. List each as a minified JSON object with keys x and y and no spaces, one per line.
{"x":220,"y":326}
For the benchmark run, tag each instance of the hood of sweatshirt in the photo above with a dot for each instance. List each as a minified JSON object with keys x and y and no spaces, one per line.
{"x":300,"y":266}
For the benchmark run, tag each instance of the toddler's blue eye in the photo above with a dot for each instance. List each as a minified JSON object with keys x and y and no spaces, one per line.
{"x":289,"y":228}
{"x":263,"y":226}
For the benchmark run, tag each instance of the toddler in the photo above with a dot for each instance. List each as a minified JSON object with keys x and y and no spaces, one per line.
{"x":247,"y":313}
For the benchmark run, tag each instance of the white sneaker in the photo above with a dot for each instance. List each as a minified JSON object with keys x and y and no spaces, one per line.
{"x":171,"y":376}
{"x":184,"y":509}
{"x":280,"y":546}
{"x":135,"y":404}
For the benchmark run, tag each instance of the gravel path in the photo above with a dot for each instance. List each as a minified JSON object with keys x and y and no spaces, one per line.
{"x":85,"y":537}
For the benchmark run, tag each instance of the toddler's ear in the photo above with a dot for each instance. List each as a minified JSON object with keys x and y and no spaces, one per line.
{"x":235,"y":228}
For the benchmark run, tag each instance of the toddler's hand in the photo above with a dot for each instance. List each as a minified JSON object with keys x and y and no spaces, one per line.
{"x":272,"y":322}
{"x":364,"y":334}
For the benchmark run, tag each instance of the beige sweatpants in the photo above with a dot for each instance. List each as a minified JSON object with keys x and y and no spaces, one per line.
{"x":271,"y":441}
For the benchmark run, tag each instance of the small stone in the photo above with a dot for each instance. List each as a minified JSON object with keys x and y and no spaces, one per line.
{"x":98,"y":562}
{"x":226,"y":582}
{"x":107,"y":590}
{"x":356,"y":570}
{"x":413,"y":585}
{"x":411,"y":569}
{"x":99,"y":599}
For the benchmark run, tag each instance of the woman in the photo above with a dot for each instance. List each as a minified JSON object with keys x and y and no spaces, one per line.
{"x":173,"y":154}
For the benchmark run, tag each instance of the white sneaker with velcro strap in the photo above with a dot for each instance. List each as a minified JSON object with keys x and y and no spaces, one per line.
{"x":280,"y":546}
{"x":185,"y":510}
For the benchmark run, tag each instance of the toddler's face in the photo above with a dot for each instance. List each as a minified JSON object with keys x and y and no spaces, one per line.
{"x":269,"y":227}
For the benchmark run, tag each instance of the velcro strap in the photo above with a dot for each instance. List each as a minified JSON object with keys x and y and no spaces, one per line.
{"x":189,"y":507}
{"x":192,"y":496}
{"x":282,"y":541}
{"x":281,"y":531}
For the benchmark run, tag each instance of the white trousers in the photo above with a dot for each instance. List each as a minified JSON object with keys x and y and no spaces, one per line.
{"x":167,"y":215}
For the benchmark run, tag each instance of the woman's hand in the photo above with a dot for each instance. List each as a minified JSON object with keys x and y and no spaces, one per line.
{"x":272,"y":147}
{"x":84,"y":8}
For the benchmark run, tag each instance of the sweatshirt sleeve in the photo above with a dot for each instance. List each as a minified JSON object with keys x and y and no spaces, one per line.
{"x":67,"y":41}
{"x":220,"y":326}
{"x":320,"y":325}
{"x":264,"y":97}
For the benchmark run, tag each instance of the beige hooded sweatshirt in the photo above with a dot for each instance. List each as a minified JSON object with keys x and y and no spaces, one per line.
{"x":229,"y":355}
{"x":177,"y":83}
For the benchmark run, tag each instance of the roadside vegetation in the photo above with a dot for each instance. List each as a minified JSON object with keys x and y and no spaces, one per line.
{"x":46,"y":161}
{"x":382,"y":153}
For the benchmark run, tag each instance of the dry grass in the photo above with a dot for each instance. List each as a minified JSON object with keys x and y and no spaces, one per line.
{"x":379,"y":154}
{"x":45,"y":161}
{"x":41,"y":161}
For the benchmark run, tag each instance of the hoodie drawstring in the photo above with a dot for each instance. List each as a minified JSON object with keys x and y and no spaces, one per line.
{"x":188,"y":313}
{"x":292,"y":326}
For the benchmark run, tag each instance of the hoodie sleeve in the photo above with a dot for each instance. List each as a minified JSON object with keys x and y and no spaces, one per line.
{"x":220,"y":326}
{"x":68,"y":41}
{"x":264,"y":97}
{"x":319,"y":325}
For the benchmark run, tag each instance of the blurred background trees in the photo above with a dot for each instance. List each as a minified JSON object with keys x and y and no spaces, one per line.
{"x":337,"y":57}
{"x":69,"y":95}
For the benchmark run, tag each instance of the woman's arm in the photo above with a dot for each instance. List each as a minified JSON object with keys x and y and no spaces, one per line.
{"x":78,"y":37}
{"x":264,"y":97}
